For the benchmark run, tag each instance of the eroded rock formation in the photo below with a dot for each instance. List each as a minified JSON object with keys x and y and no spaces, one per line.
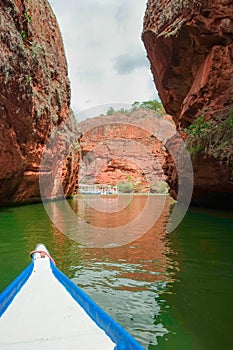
{"x":34,"y":97}
{"x":190,"y":47}
{"x":121,"y":148}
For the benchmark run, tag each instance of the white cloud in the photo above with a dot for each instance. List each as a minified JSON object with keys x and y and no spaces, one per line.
{"x":106,"y":58}
{"x":128,"y":62}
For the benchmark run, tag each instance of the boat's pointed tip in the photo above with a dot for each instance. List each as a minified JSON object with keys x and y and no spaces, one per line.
{"x":41,"y":246}
{"x":41,"y":252}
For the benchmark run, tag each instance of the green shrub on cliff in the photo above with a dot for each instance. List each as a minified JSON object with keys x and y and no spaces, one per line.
{"x":125,"y":187}
{"x":27,"y":17}
{"x":159,"y":187}
{"x":111,"y":111}
{"x":199,"y":127}
{"x":212,"y":138}
{"x":153,"y":105}
{"x":198,"y":138}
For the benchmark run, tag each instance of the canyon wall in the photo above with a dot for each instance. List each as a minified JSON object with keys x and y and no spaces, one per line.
{"x":190,"y":48}
{"x":117,"y":149}
{"x":34,"y":99}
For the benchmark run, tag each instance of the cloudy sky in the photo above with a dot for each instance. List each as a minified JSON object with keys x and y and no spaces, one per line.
{"x":106,"y":58}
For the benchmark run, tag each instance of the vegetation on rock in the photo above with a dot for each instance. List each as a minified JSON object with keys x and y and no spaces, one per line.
{"x":153,"y":105}
{"x":214,"y":138}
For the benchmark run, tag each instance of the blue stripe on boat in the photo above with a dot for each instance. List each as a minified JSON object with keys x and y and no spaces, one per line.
{"x":7,"y":296}
{"x":117,"y":333}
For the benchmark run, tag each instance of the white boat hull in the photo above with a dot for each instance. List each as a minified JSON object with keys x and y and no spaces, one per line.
{"x":51,"y":312}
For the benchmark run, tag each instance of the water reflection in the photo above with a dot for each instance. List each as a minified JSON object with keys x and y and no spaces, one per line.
{"x":92,"y":228}
{"x":128,"y":280}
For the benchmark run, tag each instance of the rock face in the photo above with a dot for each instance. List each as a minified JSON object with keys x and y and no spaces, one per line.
{"x":190,"y":47}
{"x":116,"y":151}
{"x":34,"y":96}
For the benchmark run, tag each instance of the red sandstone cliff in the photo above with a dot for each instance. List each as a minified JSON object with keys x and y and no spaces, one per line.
{"x":116,"y":149}
{"x":34,"y":97}
{"x":190,"y":47}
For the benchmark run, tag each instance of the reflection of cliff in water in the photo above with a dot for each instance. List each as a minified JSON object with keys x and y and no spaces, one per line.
{"x":148,"y":252}
{"x":122,"y":230}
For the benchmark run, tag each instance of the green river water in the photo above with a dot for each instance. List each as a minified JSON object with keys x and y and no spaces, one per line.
{"x":170,"y":291}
